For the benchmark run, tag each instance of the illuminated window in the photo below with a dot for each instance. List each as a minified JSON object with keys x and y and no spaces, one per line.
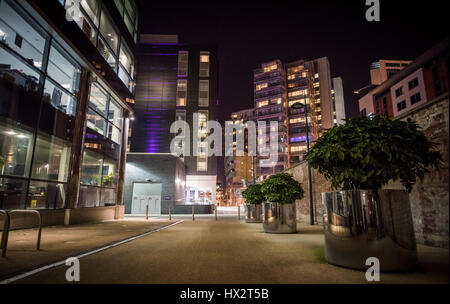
{"x":202,"y":120}
{"x":181,"y":92}
{"x":204,"y":64}
{"x":263,"y":103}
{"x":296,"y":120}
{"x":270,"y":68}
{"x":295,"y":93}
{"x":261,"y":86}
{"x":298,"y":148}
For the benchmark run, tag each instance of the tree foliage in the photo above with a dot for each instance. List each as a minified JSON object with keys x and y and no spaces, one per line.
{"x":366,"y":153}
{"x":282,"y":188}
{"x":253,"y":194}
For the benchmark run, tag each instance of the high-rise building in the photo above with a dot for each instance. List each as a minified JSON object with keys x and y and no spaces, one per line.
{"x":175,"y":80}
{"x":380,"y":72}
{"x":384,"y":69}
{"x":421,"y":81}
{"x":238,"y":168}
{"x":66,"y":91}
{"x":277,"y":87}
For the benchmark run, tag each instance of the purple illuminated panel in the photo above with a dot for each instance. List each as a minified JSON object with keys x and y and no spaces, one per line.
{"x":299,"y":139}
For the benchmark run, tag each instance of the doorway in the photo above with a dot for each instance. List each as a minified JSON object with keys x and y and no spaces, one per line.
{"x":146,"y":194}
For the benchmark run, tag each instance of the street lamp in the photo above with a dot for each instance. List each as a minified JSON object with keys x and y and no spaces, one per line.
{"x":299,"y":105}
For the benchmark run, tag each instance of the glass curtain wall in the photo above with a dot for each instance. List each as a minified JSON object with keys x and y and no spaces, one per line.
{"x":38,"y":84}
{"x":99,"y":27}
{"x":128,"y":11}
{"x":102,"y":149}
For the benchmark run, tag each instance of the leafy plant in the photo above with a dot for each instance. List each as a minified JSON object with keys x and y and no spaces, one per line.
{"x":282,"y":188}
{"x":108,"y":178}
{"x":253,"y":194}
{"x":366,"y":153}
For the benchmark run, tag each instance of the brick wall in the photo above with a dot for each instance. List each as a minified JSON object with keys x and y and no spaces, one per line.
{"x":429,"y":198}
{"x":320,"y":184}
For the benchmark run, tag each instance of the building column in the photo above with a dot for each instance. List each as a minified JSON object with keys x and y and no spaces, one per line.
{"x":123,"y":156}
{"x":76,"y":153}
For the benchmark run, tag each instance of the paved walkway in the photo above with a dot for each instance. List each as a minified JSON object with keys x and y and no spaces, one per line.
{"x":229,"y":251}
{"x":60,"y":242}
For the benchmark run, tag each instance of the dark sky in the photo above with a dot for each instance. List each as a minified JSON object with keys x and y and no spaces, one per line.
{"x":250,"y":33}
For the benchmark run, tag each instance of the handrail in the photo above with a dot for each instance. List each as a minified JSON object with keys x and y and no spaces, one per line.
{"x":7,"y":227}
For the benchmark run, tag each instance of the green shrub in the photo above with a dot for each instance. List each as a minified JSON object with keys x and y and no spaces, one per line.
{"x":282,"y":188}
{"x":253,"y":194}
{"x":367,"y":153}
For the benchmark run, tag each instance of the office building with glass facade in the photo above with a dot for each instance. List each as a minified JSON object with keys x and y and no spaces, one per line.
{"x":66,"y":96}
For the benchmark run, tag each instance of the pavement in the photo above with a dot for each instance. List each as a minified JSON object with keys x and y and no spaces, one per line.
{"x":206,"y":251}
{"x":60,"y":242}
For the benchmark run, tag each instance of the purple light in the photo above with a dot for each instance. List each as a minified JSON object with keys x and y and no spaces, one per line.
{"x":161,"y":54}
{"x":299,"y":139}
{"x":154,"y":43}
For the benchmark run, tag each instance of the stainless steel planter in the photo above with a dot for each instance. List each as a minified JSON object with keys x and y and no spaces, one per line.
{"x":254,"y":213}
{"x":280,"y":218}
{"x":363,"y":224}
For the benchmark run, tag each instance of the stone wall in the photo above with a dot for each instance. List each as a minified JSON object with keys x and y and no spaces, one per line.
{"x":320,"y":184}
{"x":429,"y":198}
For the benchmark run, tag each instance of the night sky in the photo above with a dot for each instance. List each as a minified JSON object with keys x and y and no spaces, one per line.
{"x":250,"y":33}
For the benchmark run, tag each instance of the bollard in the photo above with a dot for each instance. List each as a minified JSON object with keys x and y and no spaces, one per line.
{"x":239,"y":212}
{"x":193,"y":216}
{"x":5,"y":234}
{"x":170,"y":213}
{"x":38,"y":246}
{"x":7,"y":226}
{"x":215,"y":211}
{"x":146,"y":212}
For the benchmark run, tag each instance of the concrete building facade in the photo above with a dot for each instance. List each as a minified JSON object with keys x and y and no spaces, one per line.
{"x":384,"y":69}
{"x":176,"y":81}
{"x":277,"y":87}
{"x":422,"y":80}
{"x":238,"y":169}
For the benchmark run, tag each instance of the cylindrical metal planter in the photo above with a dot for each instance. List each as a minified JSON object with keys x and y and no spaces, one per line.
{"x":280,"y":218}
{"x":254,"y":213}
{"x":364,"y":223}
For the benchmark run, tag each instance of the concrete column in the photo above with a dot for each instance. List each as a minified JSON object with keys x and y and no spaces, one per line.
{"x":123,"y":156}
{"x":76,"y":153}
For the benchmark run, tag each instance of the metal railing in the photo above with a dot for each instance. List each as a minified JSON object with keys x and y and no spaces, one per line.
{"x":7,"y":225}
